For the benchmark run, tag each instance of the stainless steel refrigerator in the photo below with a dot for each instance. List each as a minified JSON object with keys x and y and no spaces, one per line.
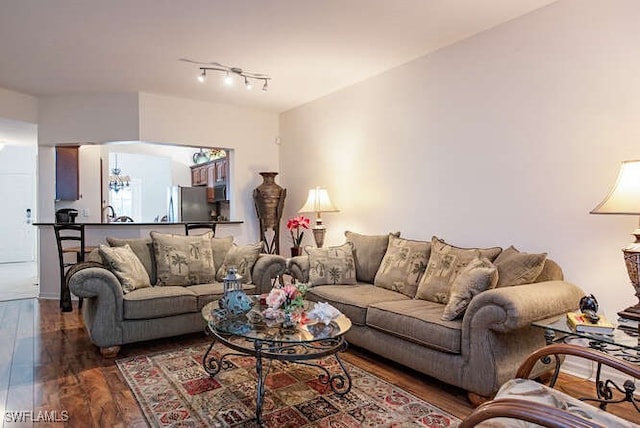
{"x":188,"y":204}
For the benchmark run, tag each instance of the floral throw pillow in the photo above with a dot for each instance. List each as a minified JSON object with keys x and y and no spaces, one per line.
{"x":446,"y":262}
{"x":332,"y":265}
{"x":126,"y":266}
{"x":479,"y":275}
{"x":183,"y":260}
{"x":242,"y":258}
{"x":403,"y":265}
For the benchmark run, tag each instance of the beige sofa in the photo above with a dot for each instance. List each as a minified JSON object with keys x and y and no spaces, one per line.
{"x":477,"y":351}
{"x":114,"y":315}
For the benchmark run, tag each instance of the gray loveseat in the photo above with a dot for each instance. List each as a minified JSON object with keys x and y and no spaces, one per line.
{"x":114,"y":316}
{"x":477,"y":351}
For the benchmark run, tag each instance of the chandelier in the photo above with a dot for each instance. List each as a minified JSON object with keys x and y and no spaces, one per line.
{"x":229,"y":72}
{"x":118,"y":182}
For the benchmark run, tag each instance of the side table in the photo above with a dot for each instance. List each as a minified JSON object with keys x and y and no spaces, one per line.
{"x":621,"y":343}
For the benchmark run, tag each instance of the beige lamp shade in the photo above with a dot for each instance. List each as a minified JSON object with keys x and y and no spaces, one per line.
{"x":624,"y":197}
{"x":318,"y":201}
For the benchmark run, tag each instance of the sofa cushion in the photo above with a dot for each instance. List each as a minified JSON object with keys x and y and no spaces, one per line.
{"x":220,"y":248}
{"x":159,"y":302}
{"x":242,"y":258}
{"x":143,"y":247}
{"x":353,"y":300}
{"x":417,"y":321}
{"x":207,"y":293}
{"x":551,"y":271}
{"x":126,"y":266}
{"x":332,"y":265}
{"x":403,"y":265}
{"x":444,"y":265}
{"x":479,"y":275}
{"x":183,"y":260}
{"x":517,"y":268}
{"x":368,"y":251}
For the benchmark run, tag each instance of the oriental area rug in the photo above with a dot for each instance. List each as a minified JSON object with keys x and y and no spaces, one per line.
{"x":174,"y":390}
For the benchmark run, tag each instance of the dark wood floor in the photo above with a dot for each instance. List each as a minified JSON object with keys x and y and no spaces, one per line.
{"x":48,"y":363}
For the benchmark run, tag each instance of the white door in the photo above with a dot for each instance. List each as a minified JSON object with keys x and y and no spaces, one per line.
{"x":16,"y":215}
{"x":17,"y":206}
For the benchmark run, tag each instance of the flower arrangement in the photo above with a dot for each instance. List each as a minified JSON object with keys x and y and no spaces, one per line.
{"x":283,"y":300}
{"x":294,"y":225}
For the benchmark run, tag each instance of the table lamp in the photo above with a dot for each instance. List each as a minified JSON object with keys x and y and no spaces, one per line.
{"x":624,"y":199}
{"x":318,"y":202}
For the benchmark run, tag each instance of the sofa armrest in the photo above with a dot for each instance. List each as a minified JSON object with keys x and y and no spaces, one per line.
{"x":298,"y":267}
{"x":510,"y":308}
{"x":497,"y":334}
{"x":267,"y":268}
{"x":103,"y":307}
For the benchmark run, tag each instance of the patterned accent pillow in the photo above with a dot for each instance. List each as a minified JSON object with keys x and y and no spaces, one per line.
{"x":242,"y":258}
{"x":143,"y":247}
{"x":368,"y":251}
{"x":479,"y":275}
{"x":183,"y":260}
{"x":126,"y":266}
{"x":403,"y":265}
{"x":516,"y":268}
{"x":332,"y":265}
{"x":444,"y":265}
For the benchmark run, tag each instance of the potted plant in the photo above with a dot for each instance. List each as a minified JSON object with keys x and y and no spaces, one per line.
{"x":296,"y":226}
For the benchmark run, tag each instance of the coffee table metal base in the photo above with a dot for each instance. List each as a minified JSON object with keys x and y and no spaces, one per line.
{"x":299,"y":353}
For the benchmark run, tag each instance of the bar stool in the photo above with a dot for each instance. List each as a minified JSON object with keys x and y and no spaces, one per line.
{"x":70,"y":240}
{"x":192,"y":226}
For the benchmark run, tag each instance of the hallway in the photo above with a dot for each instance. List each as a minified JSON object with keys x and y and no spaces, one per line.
{"x":18,"y":281}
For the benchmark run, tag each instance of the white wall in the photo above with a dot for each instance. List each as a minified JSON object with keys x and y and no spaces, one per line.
{"x":17,"y":106}
{"x":509,"y":137}
{"x":87,"y":118}
{"x":250,"y":133}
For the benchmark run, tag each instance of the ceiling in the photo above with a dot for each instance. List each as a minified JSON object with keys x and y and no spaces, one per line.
{"x":310,"y":48}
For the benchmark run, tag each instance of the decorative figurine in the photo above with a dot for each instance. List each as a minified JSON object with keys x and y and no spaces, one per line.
{"x":235,"y":302}
{"x":588,"y":303}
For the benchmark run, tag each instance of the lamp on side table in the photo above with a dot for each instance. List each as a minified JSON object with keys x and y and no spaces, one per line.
{"x":624,"y":199}
{"x":318,"y":202}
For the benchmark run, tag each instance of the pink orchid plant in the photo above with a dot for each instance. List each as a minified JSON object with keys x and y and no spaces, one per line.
{"x":295,"y":224}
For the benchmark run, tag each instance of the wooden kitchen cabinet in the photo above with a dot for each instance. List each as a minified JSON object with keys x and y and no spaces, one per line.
{"x":199,"y":175}
{"x":67,"y":173}
{"x":221,"y":170}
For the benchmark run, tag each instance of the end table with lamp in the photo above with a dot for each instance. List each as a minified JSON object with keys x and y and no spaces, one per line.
{"x":624,"y":199}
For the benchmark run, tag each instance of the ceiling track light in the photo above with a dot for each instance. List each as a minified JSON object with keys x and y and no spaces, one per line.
{"x":229,"y":72}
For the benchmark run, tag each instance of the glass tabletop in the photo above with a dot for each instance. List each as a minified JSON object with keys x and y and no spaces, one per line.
{"x":622,"y":337}
{"x":254,"y":326}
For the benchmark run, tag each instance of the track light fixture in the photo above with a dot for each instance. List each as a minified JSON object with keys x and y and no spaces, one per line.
{"x":229,"y":72}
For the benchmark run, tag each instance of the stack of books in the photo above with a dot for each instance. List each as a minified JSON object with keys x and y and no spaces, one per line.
{"x":580,"y":323}
{"x":628,"y":326}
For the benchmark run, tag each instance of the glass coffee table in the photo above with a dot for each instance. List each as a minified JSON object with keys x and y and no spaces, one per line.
{"x":251,"y":334}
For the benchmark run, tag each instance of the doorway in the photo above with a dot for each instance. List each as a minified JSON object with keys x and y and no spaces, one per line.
{"x":18,"y":156}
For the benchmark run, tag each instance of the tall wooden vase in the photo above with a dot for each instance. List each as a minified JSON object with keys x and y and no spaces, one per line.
{"x":268,"y":199}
